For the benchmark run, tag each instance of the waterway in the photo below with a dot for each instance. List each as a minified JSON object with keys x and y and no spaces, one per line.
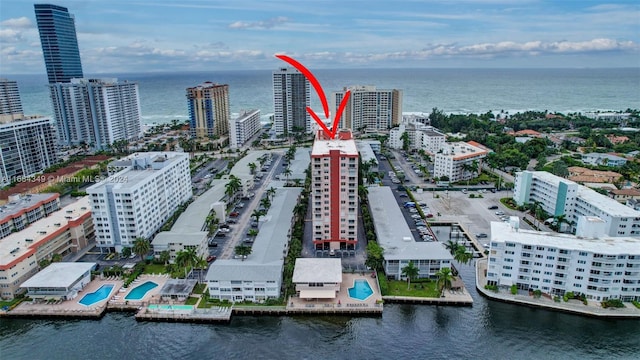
{"x":488,"y":330}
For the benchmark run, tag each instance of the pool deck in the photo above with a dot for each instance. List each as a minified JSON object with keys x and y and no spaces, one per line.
{"x":119,"y":301}
{"x":68,"y":308}
{"x":194,"y":315}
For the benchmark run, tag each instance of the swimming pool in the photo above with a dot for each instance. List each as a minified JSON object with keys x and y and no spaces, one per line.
{"x":360,"y":290}
{"x":140,"y":291}
{"x":95,"y":297}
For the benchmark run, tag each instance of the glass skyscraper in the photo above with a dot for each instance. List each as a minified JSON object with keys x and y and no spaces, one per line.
{"x":59,"y":43}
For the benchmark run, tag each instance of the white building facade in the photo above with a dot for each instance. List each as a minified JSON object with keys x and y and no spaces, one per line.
{"x":453,"y":159}
{"x":559,"y":196}
{"x":600,"y":268}
{"x":10,"y":103}
{"x":421,"y":137}
{"x":96,"y":112}
{"x":136,"y":201}
{"x":291,"y":96}
{"x":242,"y":128}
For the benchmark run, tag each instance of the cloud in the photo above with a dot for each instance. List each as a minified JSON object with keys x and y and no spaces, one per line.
{"x":10,"y":35}
{"x":19,"y":23}
{"x":266,"y":24}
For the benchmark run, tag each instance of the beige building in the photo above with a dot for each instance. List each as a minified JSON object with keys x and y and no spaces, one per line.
{"x":317,"y":278}
{"x":209,"y":113}
{"x":369,"y":109}
{"x":451,"y":162}
{"x":62,"y":232}
{"x":20,"y":211}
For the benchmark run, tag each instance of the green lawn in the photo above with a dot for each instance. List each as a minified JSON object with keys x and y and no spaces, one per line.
{"x":200,"y":288}
{"x":9,"y":303}
{"x":154,"y":269}
{"x":191,"y":301}
{"x":425,"y":289}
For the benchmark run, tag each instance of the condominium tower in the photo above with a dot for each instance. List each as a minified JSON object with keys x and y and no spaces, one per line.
{"x":369,"y":109}
{"x":209,"y":113}
{"x":290,"y":101}
{"x":135,"y":202}
{"x":96,"y":112}
{"x":59,"y":43}
{"x":334,"y":191}
{"x":10,"y":104}
{"x":243,"y":128}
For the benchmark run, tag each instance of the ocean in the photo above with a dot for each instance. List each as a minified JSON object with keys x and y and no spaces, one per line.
{"x":162,"y":95}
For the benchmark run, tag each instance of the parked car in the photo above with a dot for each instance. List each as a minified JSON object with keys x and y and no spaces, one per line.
{"x":403,"y":195}
{"x":221,"y":234}
{"x":429,"y":216}
{"x":493,"y":207}
{"x":211,"y":258}
{"x":234,"y":214}
{"x":231,"y":221}
{"x":481,"y":235}
{"x":213,"y":244}
{"x":499,"y":213}
{"x":224,"y":226}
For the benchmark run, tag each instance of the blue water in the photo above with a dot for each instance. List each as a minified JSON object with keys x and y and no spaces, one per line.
{"x":139,"y":291}
{"x":360,"y":290}
{"x":96,"y":296}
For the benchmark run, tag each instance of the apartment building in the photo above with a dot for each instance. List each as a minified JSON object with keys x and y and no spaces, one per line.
{"x":334,"y":191}
{"x":559,"y":196}
{"x":96,"y":112}
{"x":135,"y":202}
{"x":291,"y":97}
{"x":599,"y":159}
{"x":209,"y":113}
{"x":259,"y":276}
{"x":242,"y":128}
{"x":63,"y":232}
{"x":10,"y":104}
{"x":421,"y":137}
{"x":21,"y":211}
{"x":601,"y":268}
{"x":369,"y":109}
{"x":459,"y":161}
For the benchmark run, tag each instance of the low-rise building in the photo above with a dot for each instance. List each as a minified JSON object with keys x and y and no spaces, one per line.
{"x":317,"y":278}
{"x":558,"y":196}
{"x":459,"y":161}
{"x":63,"y":232}
{"x":59,"y":281}
{"x":583,"y":175}
{"x":190,"y":229}
{"x":367,"y":156}
{"x":243,"y":127}
{"x":259,"y":276}
{"x":601,"y":268}
{"x":597,"y":159}
{"x":622,"y":195}
{"x":395,"y":237}
{"x":21,"y":211}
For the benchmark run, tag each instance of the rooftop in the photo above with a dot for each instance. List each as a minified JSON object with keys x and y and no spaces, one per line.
{"x":300,"y":163}
{"x":268,"y":251}
{"x":22,"y":244}
{"x":241,"y":168}
{"x":504,"y":232}
{"x":193,"y":218}
{"x":317,"y":270}
{"x":58,"y":275}
{"x":322,"y":146}
{"x":393,"y":232}
{"x":366,"y":152}
{"x":461,"y":150}
{"x":24,"y":203}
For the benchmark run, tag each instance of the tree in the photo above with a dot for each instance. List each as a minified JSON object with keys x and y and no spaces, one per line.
{"x":287,"y":173}
{"x":405,"y":141}
{"x":375,"y":259}
{"x":444,"y":279}
{"x":243,"y":251}
{"x":271,"y":192}
{"x":452,"y":246}
{"x":257,"y":214}
{"x":252,"y":168}
{"x":411,"y":272}
{"x":165,"y":256}
{"x":126,"y":252}
{"x":187,"y":259}
{"x":56,"y":258}
{"x":265,"y":203}
{"x":467,"y":168}
{"x":462,"y":255}
{"x":363,"y":191}
{"x":141,"y":247}
{"x":252,"y":232}
{"x":232,"y":187}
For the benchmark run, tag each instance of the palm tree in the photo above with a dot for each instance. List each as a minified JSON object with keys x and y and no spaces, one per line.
{"x":444,"y":278}
{"x":287,"y":173}
{"x":265,"y":202}
{"x":411,"y":272}
{"x":467,"y":168}
{"x":299,"y":210}
{"x":462,"y":255}
{"x":141,"y":247}
{"x":165,"y":256}
{"x":252,"y":168}
{"x":362,"y":193}
{"x":271,"y":192}
{"x":257,"y":214}
{"x":187,"y":258}
{"x":232,"y":187}
{"x":243,"y":251}
{"x":252,"y":232}
{"x":452,"y":246}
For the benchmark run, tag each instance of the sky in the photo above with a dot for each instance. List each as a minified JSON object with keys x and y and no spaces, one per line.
{"x":124,"y":36}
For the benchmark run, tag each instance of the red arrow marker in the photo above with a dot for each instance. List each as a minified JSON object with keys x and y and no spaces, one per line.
{"x":323,"y":99}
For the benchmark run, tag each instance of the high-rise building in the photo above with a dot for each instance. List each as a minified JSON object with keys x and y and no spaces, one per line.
{"x":136,"y":201}
{"x":369,"y":109}
{"x":244,"y":127}
{"x":10,"y":104}
{"x":27,"y":147}
{"x":334,"y":191}
{"x":290,"y":100}
{"x":209,"y":113}
{"x":59,"y":43}
{"x":96,"y":112}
